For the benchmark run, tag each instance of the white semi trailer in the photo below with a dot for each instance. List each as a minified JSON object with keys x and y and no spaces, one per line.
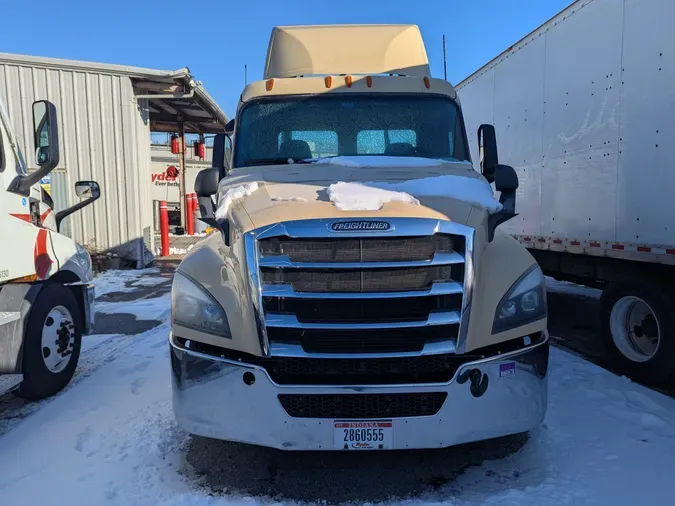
{"x":584,"y":109}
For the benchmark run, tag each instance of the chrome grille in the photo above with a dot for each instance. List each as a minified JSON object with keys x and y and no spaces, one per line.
{"x":397,"y":291}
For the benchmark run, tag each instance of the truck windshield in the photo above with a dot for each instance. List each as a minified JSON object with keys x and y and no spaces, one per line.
{"x":301,"y":128}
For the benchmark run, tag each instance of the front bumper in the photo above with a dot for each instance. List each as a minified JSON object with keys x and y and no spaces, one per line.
{"x":210,"y":398}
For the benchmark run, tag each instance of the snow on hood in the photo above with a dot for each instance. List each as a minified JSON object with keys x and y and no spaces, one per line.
{"x":467,"y":189}
{"x":349,"y":180}
{"x":360,"y":197}
{"x":229,"y":195}
{"x":372,"y":195}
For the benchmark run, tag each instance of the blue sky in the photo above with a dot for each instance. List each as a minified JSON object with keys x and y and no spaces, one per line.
{"x":215,"y":38}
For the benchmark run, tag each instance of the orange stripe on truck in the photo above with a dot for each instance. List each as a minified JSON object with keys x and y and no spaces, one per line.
{"x":41,"y":254}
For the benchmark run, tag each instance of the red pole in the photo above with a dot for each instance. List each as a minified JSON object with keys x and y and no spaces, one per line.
{"x":189,"y":219}
{"x":195,"y":206}
{"x":164,"y":227}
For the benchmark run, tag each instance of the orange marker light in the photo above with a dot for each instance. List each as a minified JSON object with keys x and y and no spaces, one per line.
{"x":426,"y":82}
{"x":328,"y":80}
{"x":369,"y":81}
{"x":269,"y":85}
{"x":348,"y":81}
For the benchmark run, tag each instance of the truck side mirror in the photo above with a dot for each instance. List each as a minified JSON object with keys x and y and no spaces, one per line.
{"x":87,"y":189}
{"x":206,"y":185}
{"x":222,"y":150}
{"x":487,"y":148}
{"x":506,"y":182}
{"x":90,"y":191}
{"x":45,"y":135}
{"x":46,"y":142}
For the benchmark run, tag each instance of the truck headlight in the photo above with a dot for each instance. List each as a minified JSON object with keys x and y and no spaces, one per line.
{"x":193,"y":307}
{"x":524,"y":303}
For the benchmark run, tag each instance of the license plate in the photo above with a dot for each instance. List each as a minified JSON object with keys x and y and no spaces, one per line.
{"x":363,"y":435}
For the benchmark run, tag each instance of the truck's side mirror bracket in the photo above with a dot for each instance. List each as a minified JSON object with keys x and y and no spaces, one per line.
{"x":46,"y":142}
{"x":487,"y":148}
{"x":506,"y":182}
{"x":88,"y":190}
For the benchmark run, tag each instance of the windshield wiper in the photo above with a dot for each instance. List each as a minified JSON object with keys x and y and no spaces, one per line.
{"x":279,"y":160}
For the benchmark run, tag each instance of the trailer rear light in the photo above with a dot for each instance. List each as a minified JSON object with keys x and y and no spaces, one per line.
{"x":427,"y":83}
{"x":328,"y":80}
{"x":269,"y":84}
{"x":670,"y":252}
{"x":348,"y":81}
{"x":369,"y":81}
{"x":617,"y":246}
{"x":644,"y":249}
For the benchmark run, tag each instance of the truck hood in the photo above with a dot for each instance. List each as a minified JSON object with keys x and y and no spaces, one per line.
{"x":259,"y":196}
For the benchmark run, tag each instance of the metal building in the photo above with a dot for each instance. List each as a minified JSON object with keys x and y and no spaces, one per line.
{"x":106,"y":113}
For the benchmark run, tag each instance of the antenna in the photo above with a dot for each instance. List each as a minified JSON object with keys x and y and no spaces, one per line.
{"x":245,"y":74}
{"x":445,"y":64}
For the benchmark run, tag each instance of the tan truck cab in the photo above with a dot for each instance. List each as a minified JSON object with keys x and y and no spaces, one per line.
{"x":356,"y":292}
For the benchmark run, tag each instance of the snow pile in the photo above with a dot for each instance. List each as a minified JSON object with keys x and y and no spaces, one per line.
{"x":174,"y":250}
{"x":359,"y":197}
{"x":555,"y":286}
{"x":467,"y":189}
{"x":372,"y":195}
{"x":225,"y":198}
{"x":288,"y":199}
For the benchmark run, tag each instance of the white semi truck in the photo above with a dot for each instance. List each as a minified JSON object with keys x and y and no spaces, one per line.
{"x":46,"y":295}
{"x":584,"y":109}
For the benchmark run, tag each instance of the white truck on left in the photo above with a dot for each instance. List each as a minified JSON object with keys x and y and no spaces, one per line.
{"x":46,"y":295}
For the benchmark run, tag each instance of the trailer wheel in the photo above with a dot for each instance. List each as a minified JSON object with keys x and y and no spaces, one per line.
{"x":52,"y":343}
{"x":638,"y":326}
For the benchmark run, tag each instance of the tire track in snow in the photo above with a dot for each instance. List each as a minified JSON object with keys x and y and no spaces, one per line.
{"x":14,"y":409}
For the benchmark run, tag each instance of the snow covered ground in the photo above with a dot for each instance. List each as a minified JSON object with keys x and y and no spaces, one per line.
{"x":565,"y":287}
{"x":110,"y":438}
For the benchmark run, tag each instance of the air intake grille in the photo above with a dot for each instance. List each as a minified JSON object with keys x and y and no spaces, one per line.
{"x":375,"y":371}
{"x":362,"y":405}
{"x":363,"y":310}
{"x":370,"y":249}
{"x":402,"y":279}
{"x":364,"y":340}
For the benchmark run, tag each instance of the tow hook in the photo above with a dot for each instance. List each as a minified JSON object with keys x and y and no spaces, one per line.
{"x":479,"y":381}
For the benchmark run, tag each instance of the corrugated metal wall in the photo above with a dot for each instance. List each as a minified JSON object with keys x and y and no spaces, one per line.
{"x":105,"y":137}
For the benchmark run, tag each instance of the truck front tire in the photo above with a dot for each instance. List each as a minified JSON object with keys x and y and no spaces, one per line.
{"x":52,"y":342}
{"x":638,"y":327}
